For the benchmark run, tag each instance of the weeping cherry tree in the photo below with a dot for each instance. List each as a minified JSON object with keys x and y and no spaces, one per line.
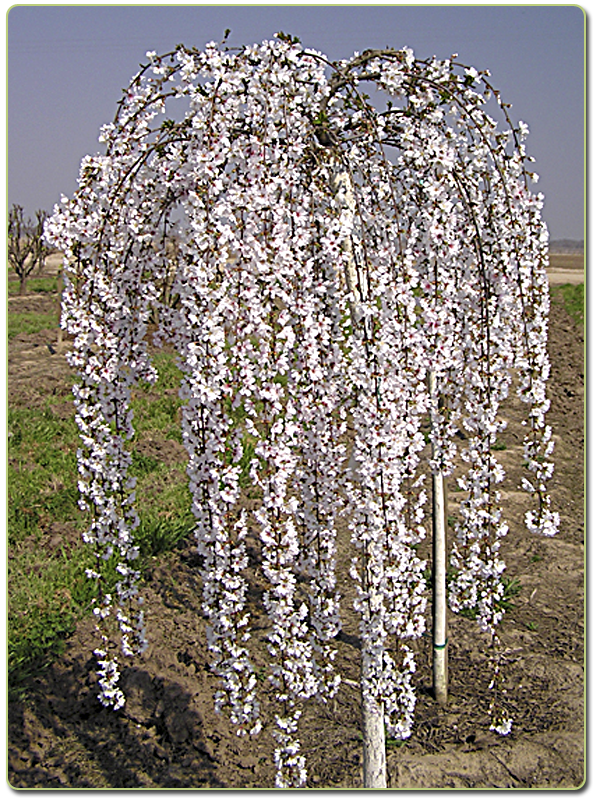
{"x":359,"y":257}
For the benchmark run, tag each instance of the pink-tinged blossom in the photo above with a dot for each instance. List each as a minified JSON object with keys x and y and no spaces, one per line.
{"x":318,"y":282}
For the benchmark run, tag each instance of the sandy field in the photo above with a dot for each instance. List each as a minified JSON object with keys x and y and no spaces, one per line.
{"x":566,"y":268}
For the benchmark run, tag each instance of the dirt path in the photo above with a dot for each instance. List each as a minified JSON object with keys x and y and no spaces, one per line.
{"x":168,"y":735}
{"x":566,"y":277}
{"x":566,"y":268}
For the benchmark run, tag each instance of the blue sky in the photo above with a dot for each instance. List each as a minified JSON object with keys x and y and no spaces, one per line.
{"x":67,"y":65}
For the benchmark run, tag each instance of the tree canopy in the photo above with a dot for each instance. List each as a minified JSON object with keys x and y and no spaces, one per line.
{"x":333,"y":234}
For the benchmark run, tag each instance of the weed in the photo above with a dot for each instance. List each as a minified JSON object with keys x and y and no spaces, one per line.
{"x":512,"y":588}
{"x":156,"y":536}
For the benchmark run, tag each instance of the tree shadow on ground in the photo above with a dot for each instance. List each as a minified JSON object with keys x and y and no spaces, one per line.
{"x":156,"y":741}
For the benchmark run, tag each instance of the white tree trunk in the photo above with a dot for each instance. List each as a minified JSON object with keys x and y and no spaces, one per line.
{"x":373,"y":722}
{"x":342,"y":186}
{"x":373,"y":731}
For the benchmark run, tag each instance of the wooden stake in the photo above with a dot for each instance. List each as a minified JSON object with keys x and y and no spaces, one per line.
{"x":59,"y":288}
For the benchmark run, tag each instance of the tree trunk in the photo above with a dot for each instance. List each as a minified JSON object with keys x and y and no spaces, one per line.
{"x":373,"y":731}
{"x":440,"y":639}
{"x":373,"y":722}
{"x":22,"y":285}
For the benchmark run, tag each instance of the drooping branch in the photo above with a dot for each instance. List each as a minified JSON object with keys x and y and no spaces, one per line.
{"x":330,"y":257}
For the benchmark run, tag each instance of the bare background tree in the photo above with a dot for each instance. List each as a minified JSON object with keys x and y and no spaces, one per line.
{"x":26,"y":250}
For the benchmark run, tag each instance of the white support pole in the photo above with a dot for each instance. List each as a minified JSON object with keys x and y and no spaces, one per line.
{"x":59,"y":292}
{"x":440,"y":637}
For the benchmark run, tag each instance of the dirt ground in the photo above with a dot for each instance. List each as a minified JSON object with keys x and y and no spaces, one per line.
{"x":168,"y":735}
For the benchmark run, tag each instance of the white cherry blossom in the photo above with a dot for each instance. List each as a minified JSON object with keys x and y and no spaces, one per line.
{"x":327,"y":259}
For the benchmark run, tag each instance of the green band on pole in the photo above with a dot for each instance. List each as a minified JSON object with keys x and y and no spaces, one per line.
{"x":443,"y":645}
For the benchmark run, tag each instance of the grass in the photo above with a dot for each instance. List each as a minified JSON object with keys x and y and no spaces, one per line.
{"x":30,"y":322}
{"x":46,"y":284}
{"x":47,"y":587}
{"x":48,"y":590}
{"x":573,"y":297}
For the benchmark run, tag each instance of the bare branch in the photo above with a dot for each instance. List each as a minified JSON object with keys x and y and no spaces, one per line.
{"x":26,"y":249}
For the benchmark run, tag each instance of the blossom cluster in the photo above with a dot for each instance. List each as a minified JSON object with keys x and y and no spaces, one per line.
{"x":319,"y":284}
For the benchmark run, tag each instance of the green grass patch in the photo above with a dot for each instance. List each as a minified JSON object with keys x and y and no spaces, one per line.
{"x":48,"y":591}
{"x":156,"y":536}
{"x":46,"y":285}
{"x":41,"y":471}
{"x":29,"y":322}
{"x":47,"y":586}
{"x":573,"y":297}
{"x":156,"y":407}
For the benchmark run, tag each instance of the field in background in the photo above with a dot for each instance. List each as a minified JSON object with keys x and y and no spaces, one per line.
{"x":567,"y":261}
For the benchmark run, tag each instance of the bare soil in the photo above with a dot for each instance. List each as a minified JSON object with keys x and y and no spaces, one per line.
{"x":168,"y":735}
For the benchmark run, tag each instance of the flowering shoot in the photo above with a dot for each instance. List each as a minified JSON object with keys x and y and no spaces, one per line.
{"x":330,"y":258}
